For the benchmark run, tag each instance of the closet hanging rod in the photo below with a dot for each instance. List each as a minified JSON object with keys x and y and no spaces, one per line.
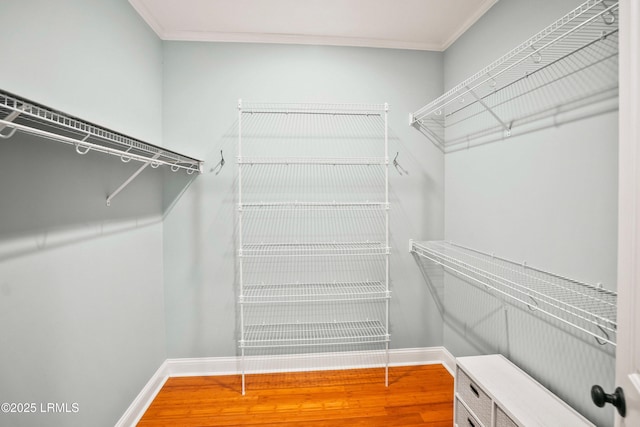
{"x":51,"y":124}
{"x":95,"y":147}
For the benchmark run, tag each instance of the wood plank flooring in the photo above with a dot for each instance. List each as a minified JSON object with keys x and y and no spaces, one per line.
{"x":416,"y":396}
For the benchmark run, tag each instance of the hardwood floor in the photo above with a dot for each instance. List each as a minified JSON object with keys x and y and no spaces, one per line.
{"x":416,"y":396}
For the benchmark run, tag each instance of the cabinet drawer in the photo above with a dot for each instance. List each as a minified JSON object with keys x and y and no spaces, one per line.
{"x":474,"y":397}
{"x":464,"y":417}
{"x":503,"y":420}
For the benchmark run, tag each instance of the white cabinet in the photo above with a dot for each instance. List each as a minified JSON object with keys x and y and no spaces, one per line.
{"x":491,"y":391}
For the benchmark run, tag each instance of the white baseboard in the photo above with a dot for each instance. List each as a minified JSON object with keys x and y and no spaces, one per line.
{"x":206,"y":366}
{"x":309,"y":362}
{"x":140,"y":404}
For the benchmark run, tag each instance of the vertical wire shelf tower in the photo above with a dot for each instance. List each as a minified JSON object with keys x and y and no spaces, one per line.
{"x":313,"y":231}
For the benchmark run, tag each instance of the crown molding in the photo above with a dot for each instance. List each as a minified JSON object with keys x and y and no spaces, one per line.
{"x":302,"y":39}
{"x":486,"y":5}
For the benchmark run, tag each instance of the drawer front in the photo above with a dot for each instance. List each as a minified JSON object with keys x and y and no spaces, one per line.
{"x":475,"y":398}
{"x":503,"y":420}
{"x":464,"y":417}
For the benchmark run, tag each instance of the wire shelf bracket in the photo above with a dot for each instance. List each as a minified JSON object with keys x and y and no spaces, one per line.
{"x":8,"y":119}
{"x":132,"y":177}
{"x":486,"y":107}
{"x":591,"y":309}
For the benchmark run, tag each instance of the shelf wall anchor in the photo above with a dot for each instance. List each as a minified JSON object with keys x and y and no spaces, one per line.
{"x":218,"y":167}
{"x":399,"y":168}
{"x":131,"y":178}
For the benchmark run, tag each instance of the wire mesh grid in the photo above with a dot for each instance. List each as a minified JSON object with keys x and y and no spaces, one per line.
{"x":311,"y":334}
{"x":576,"y":57}
{"x":314,"y":249}
{"x":312,"y":108}
{"x":313,"y":292}
{"x":313,"y":183}
{"x":313,"y":225}
{"x":330,"y":161}
{"x":305,"y":270}
{"x":588,"y":308}
{"x":54,"y":125}
{"x":314,"y":206}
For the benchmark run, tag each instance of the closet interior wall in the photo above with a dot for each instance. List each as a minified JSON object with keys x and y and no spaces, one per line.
{"x":547,"y":198}
{"x":92,"y":302}
{"x":200,"y":246}
{"x":81,"y":299}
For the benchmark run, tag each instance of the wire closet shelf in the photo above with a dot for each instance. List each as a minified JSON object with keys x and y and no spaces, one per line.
{"x":314,"y":249}
{"x":590,"y":309}
{"x":314,"y":334}
{"x":314,"y":206}
{"x":313,"y":108}
{"x":314,"y":292}
{"x":326,"y":161}
{"x":18,"y":114}
{"x":571,"y":64}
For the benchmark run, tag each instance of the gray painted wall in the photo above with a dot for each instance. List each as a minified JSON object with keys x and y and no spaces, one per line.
{"x":81,"y":286}
{"x":202,"y":84}
{"x":548,"y":198}
{"x":81,"y":300}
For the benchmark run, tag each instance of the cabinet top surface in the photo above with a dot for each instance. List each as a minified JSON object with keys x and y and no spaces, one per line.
{"x":519,"y":395}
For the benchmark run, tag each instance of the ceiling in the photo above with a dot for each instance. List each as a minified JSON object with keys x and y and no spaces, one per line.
{"x":399,"y":24}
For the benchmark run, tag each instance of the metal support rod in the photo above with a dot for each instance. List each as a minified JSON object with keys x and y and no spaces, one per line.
{"x":386,"y":200}
{"x":131,"y":178}
{"x":486,"y":107}
{"x":240,"y":266}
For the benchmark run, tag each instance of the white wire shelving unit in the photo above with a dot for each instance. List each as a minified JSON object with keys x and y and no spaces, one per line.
{"x":571,"y":64}
{"x":21,"y":115}
{"x":587,"y":308}
{"x":312,"y":216}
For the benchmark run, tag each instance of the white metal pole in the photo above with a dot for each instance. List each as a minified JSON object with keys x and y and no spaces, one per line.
{"x":386,"y":196}
{"x":242,"y":342}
